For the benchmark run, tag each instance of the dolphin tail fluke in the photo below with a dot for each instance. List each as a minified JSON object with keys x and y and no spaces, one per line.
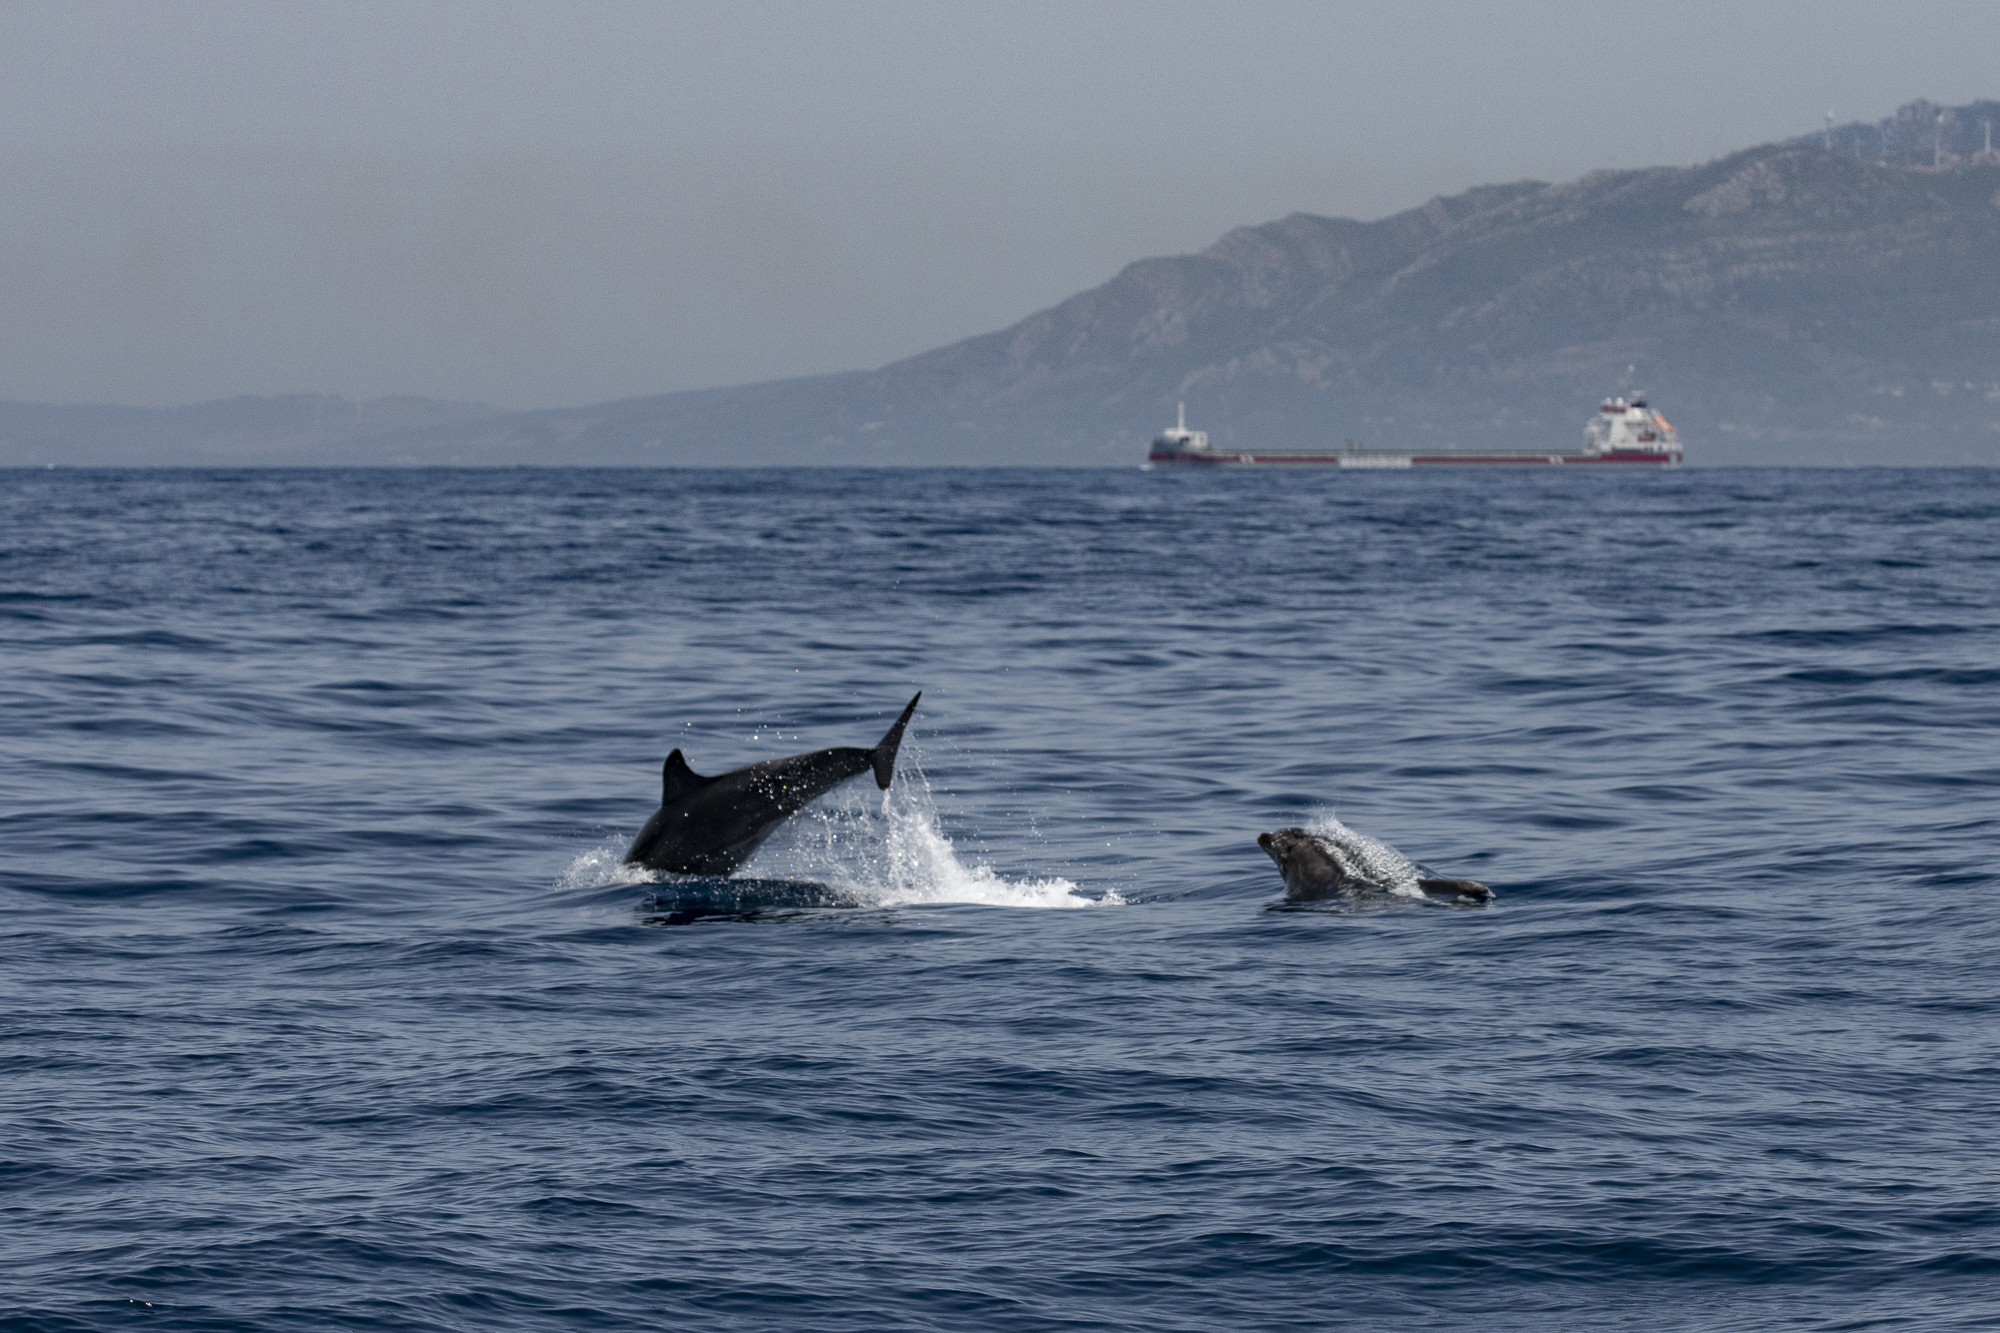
{"x":884,"y":755}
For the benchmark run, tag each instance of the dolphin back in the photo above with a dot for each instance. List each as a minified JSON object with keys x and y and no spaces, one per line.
{"x":883,"y":756}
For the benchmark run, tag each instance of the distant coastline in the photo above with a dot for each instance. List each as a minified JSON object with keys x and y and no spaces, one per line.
{"x":1827,"y":300}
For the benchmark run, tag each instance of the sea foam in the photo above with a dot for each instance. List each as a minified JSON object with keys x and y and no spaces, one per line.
{"x":1367,"y":858}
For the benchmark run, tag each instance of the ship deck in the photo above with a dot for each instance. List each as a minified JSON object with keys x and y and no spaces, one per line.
{"x":1395,"y":458}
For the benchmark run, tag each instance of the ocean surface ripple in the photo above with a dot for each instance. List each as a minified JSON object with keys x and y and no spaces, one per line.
{"x":329,"y":1005}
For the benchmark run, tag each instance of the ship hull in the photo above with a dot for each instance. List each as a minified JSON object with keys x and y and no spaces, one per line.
{"x":1390,"y":459}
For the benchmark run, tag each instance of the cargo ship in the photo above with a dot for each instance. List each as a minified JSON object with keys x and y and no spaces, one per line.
{"x":1622,"y":432}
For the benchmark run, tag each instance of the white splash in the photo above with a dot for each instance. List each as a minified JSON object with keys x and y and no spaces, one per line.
{"x":888,"y":849}
{"x":1367,"y":858}
{"x":601,"y":867}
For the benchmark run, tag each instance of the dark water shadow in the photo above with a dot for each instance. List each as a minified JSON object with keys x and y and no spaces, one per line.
{"x":1371,"y":901}
{"x":684,"y":901}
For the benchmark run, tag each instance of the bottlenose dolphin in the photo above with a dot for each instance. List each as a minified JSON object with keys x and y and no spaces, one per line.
{"x":710,"y":826}
{"x":1313,"y":870}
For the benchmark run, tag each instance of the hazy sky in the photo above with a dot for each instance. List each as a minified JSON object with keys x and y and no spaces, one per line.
{"x":535,"y":204}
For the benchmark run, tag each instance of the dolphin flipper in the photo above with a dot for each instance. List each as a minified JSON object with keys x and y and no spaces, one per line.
{"x":883,"y":756}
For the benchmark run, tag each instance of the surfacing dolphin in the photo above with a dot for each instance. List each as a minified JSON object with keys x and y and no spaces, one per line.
{"x":710,"y":826}
{"x":1313,"y":869}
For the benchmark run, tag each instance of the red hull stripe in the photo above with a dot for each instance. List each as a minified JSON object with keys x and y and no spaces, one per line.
{"x":1422,"y":460}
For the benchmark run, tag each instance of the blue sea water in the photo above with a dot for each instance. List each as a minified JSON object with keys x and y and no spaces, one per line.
{"x":328,"y":1005}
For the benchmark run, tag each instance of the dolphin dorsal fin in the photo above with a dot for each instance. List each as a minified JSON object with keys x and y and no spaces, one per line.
{"x":677,"y":779}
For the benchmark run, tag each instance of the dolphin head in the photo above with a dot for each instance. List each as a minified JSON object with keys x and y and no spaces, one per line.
{"x":1308,"y":865}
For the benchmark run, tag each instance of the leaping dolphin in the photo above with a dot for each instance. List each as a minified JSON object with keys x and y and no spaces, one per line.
{"x":710,"y":826}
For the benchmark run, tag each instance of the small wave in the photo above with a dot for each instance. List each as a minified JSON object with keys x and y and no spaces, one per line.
{"x":886,"y":851}
{"x":1368,"y":858}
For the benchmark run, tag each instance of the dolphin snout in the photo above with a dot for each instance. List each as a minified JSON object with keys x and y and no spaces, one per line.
{"x":1280,"y":841}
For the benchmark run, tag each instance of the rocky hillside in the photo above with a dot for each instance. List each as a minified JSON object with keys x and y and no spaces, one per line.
{"x":1789,"y":303}
{"x":1783,"y":304}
